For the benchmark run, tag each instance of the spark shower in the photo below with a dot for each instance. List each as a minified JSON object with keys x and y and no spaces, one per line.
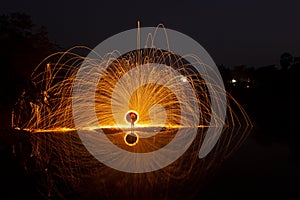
{"x":146,"y":110}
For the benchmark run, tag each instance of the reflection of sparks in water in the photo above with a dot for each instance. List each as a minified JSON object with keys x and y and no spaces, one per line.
{"x":46,"y":111}
{"x":131,"y":138}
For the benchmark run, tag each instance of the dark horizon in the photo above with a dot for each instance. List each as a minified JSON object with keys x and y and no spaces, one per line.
{"x":251,"y":33}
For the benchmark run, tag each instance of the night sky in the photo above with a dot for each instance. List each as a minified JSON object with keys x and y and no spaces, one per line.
{"x":254,"y":33}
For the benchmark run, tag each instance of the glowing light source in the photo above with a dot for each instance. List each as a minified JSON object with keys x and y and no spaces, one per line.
{"x":131,"y":117}
{"x":183,"y":79}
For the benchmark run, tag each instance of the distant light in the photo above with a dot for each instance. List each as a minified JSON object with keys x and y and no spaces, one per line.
{"x":233,"y":81}
{"x":183,"y":79}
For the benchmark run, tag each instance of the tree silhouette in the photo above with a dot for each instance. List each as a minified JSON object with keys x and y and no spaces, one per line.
{"x":23,"y":46}
{"x":286,"y":60}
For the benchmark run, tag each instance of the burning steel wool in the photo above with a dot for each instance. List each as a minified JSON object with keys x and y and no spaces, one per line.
{"x":96,"y":123}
